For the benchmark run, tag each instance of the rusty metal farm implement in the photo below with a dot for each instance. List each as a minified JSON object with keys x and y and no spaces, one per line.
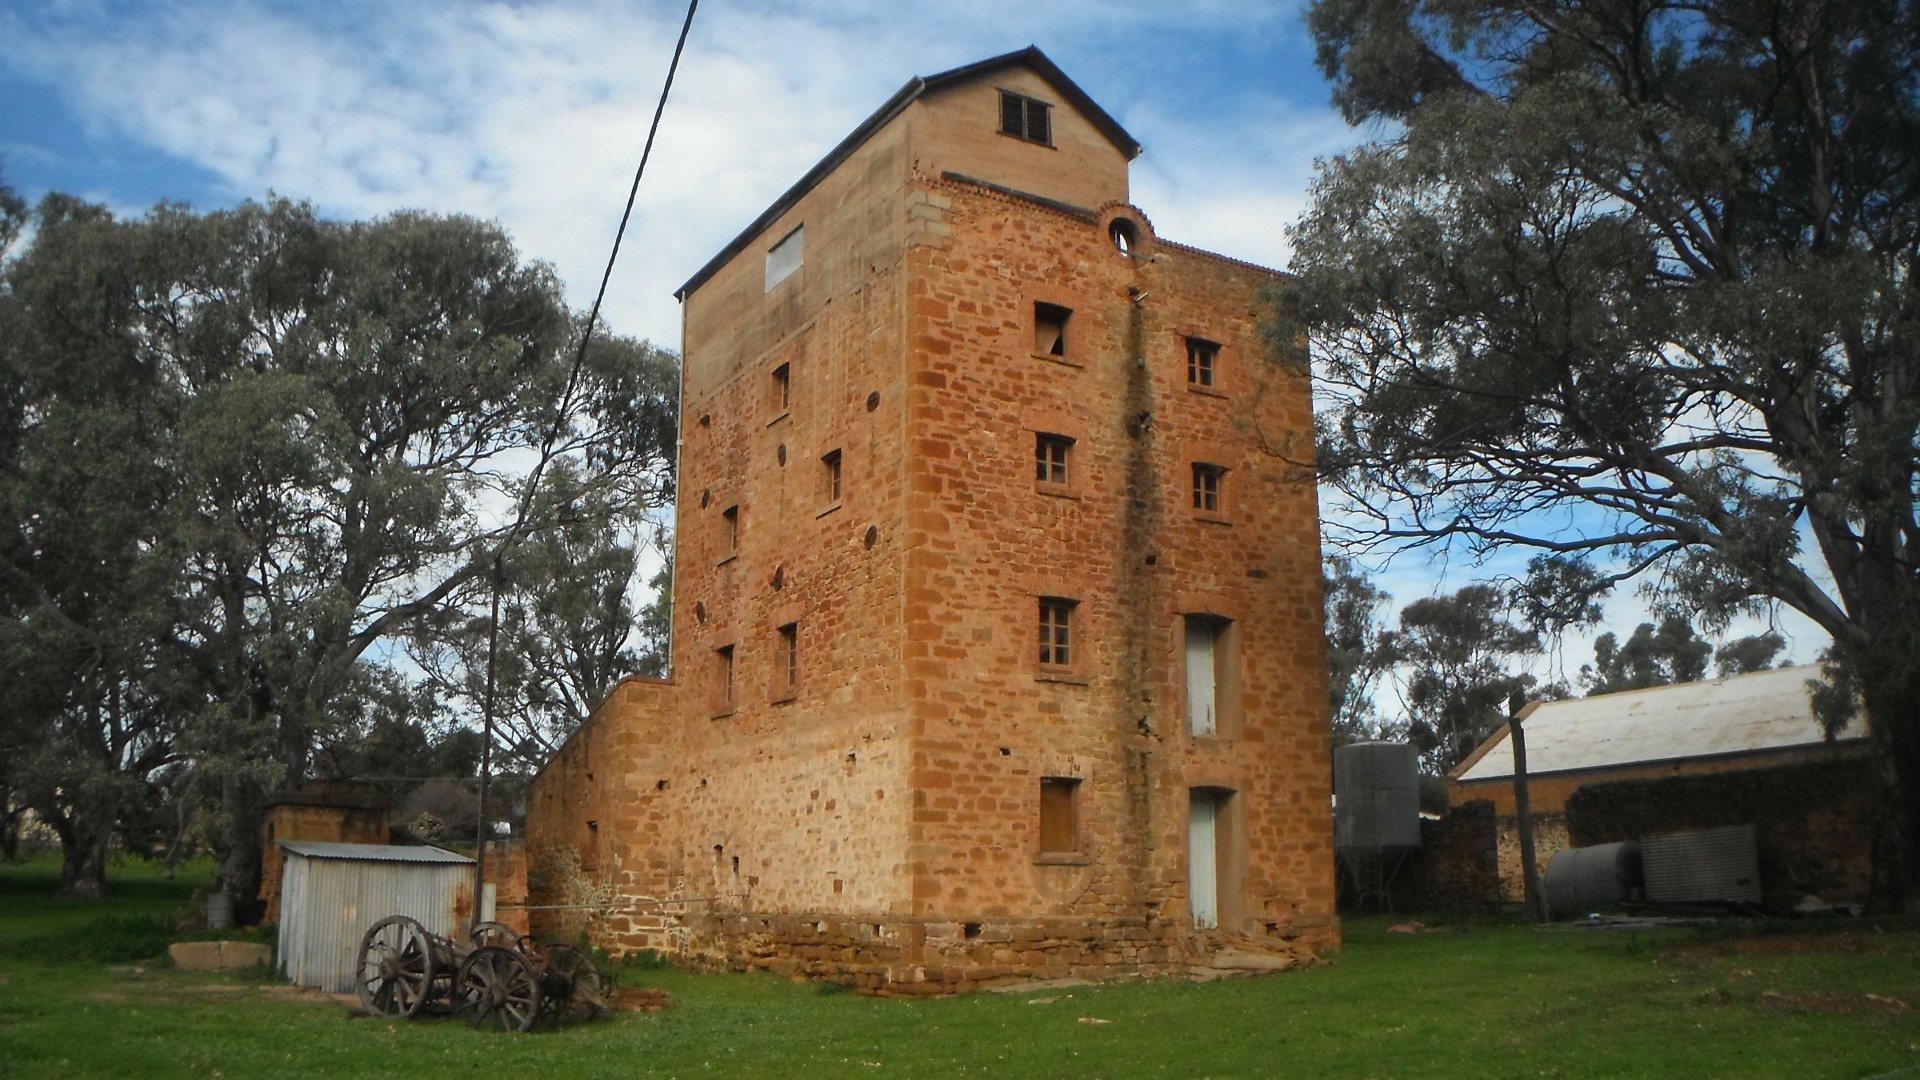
{"x":497,"y":979}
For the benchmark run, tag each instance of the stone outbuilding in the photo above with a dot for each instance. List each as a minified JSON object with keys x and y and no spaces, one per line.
{"x":333,"y":811}
{"x":997,"y":646}
{"x":1745,"y":749}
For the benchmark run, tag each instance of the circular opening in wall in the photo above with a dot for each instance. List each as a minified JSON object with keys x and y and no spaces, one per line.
{"x":1124,"y":234}
{"x":700,"y":611}
{"x":873,"y":401}
{"x":706,"y":419}
{"x":782,"y":455}
{"x":873,"y":536}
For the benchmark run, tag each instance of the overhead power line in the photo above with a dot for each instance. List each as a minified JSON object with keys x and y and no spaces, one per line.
{"x":533,"y":479}
{"x":593,"y":315}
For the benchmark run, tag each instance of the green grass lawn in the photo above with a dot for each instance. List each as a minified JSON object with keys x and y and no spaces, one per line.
{"x":1492,"y":1000}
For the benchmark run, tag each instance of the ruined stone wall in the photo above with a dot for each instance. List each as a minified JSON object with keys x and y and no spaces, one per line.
{"x":1459,"y":858}
{"x":1549,"y":838}
{"x":591,"y":817}
{"x":351,"y":816}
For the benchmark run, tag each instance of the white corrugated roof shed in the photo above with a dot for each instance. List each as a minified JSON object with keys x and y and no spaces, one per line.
{"x":327,"y":849}
{"x":1761,"y":711}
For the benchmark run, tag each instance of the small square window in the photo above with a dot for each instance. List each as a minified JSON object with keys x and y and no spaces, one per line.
{"x":1025,"y":118}
{"x":1052,"y":455}
{"x":1203,"y":360}
{"x":1050,"y":329}
{"x":1059,"y":815}
{"x":1207,"y":484}
{"x":830,"y":475}
{"x":1056,"y":632}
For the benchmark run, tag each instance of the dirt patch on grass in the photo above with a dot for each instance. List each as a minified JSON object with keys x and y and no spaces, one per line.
{"x":1792,"y":945}
{"x":637,"y":999}
{"x":1827,"y":1002}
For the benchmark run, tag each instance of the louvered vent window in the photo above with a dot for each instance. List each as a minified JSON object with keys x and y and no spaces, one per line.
{"x":1025,"y":118}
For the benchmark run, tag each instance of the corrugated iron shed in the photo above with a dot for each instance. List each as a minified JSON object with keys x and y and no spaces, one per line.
{"x":1759,"y":712}
{"x":333,"y":892}
{"x":327,"y":849}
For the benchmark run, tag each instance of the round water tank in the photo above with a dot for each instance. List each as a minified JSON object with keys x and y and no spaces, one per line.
{"x":1587,"y":879}
{"x":1376,"y":787}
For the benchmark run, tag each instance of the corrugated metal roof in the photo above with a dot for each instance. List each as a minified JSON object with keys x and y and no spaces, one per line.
{"x":326,"y":849}
{"x":1761,"y":711}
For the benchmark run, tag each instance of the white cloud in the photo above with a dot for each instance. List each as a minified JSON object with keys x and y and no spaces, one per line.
{"x":535,"y":114}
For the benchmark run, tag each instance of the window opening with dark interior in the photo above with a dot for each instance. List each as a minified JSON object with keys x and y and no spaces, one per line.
{"x":789,"y":655}
{"x":1203,"y":358}
{"x":830,"y":475}
{"x":1059,"y":829}
{"x":1124,"y":235}
{"x":1056,"y":631}
{"x":1025,"y":118}
{"x":731,"y":519}
{"x":724,"y":656}
{"x":1207,"y":480}
{"x":1051,"y":454}
{"x":782,"y":388}
{"x":1050,"y":329}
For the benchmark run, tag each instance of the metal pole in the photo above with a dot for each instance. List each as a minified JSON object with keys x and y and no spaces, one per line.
{"x":1536,"y":901}
{"x":486,"y":746}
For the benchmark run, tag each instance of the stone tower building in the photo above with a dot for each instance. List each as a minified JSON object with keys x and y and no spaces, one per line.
{"x":997,"y":640}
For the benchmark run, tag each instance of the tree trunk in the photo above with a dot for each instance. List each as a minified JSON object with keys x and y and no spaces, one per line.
{"x":1536,"y":900}
{"x":1892,"y":703}
{"x":83,"y":863}
{"x":240,"y":867}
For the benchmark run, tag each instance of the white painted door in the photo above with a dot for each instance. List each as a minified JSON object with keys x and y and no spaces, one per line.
{"x":1201,"y":638}
{"x":1203,"y":877}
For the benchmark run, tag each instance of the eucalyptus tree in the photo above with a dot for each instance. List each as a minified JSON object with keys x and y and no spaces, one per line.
{"x":570,"y":623}
{"x":1630,"y":285}
{"x":352,"y":418}
{"x":1454,"y":651}
{"x":1652,"y":656}
{"x":1360,"y":648}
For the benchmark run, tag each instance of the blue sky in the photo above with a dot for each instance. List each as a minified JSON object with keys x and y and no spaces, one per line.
{"x":534,"y":113}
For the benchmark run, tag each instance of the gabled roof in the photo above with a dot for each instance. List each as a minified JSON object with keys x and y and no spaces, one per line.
{"x":919,"y":86}
{"x":1741,"y":714}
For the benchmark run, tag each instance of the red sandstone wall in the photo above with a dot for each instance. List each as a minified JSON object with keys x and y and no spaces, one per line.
{"x":1128,"y":547}
{"x":343,"y":823}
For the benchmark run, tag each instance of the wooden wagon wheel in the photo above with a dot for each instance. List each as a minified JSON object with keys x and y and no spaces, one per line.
{"x":396,"y":967}
{"x":497,"y":989}
{"x":572,"y":987}
{"x":495,"y":933}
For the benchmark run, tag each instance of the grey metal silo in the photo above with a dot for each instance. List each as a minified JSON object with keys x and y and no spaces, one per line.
{"x":1376,"y":820}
